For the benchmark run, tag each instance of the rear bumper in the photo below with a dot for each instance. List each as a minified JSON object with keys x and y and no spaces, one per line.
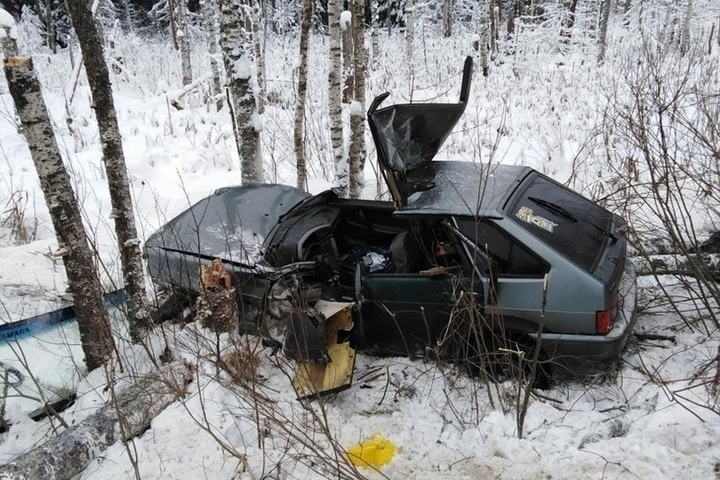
{"x":573,"y":355}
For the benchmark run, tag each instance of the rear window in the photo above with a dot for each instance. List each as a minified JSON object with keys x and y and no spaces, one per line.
{"x":567,"y":221}
{"x":511,"y":257}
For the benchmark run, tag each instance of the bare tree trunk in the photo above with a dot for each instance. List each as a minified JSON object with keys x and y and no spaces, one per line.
{"x":494,"y":26}
{"x":568,"y":22}
{"x":208,"y":10}
{"x":173,"y":23}
{"x":374,"y":35}
{"x":299,"y":137}
{"x":348,"y":78}
{"x":356,"y":153}
{"x":236,"y":45}
{"x":335,"y":88}
{"x":484,"y":35}
{"x":259,"y":43}
{"x":183,"y":41}
{"x":447,"y":17}
{"x":83,"y":280}
{"x":409,"y":43}
{"x":602,"y":37}
{"x":685,"y":38}
{"x":114,"y":160}
{"x":127,"y":415}
{"x":50,"y":26}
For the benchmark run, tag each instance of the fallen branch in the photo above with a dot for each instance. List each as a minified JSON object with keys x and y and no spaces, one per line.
{"x":679,"y":264}
{"x":652,"y":336}
{"x":128,"y":415}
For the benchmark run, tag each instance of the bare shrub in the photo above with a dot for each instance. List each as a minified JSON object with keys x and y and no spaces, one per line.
{"x":662,"y":140}
{"x":22,"y":230}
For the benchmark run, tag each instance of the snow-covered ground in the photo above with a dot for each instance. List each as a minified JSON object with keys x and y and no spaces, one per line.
{"x":657,"y":417}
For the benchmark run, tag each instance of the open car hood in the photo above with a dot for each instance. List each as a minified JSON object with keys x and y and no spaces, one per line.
{"x":231,"y":224}
{"x":408,"y":136}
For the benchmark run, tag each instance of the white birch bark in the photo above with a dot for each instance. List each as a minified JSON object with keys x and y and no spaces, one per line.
{"x":183,"y":41}
{"x":348,"y":79}
{"x":494,"y":26}
{"x":73,"y":247}
{"x":374,"y":34}
{"x":127,"y":415}
{"x":409,"y":43}
{"x":259,"y":43}
{"x":115,"y":167}
{"x":484,"y":36}
{"x":236,"y":45}
{"x":208,"y":10}
{"x":356,"y":151}
{"x":335,"y":89}
{"x":299,"y":135}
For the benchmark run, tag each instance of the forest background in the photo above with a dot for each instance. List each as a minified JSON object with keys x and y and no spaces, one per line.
{"x":618,"y":99}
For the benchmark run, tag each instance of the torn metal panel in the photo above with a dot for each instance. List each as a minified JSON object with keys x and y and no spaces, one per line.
{"x":335,"y":374}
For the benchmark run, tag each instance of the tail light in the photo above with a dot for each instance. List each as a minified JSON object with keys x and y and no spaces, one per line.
{"x":604,"y":319}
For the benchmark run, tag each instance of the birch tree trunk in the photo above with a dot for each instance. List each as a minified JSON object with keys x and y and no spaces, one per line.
{"x":127,"y":415}
{"x":374,"y":35}
{"x":409,"y":43}
{"x":183,"y":41}
{"x":602,"y":35}
{"x":447,"y":14}
{"x":208,"y":10}
{"x":115,"y":168}
{"x":348,"y":79}
{"x":494,"y":26}
{"x":236,"y":45}
{"x":259,"y":44}
{"x":356,"y":152}
{"x":299,"y":136}
{"x":334,"y":92}
{"x":484,"y":36}
{"x":83,"y":280}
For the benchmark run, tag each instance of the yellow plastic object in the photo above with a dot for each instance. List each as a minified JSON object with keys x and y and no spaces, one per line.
{"x":374,"y":452}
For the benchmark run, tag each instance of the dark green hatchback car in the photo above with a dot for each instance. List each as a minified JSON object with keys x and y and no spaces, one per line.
{"x":463,"y":250}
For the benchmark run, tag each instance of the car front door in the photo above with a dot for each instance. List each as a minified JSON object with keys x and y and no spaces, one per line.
{"x":408,"y":136}
{"x":405,"y":313}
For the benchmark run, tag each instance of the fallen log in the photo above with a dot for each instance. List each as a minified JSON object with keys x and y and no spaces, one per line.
{"x":127,"y":415}
{"x":679,"y":264}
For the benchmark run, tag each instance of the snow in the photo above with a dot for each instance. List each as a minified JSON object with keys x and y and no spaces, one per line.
{"x":7,"y":25}
{"x":345,"y":19}
{"x":356,"y":109}
{"x":243,"y":68}
{"x":657,"y":417}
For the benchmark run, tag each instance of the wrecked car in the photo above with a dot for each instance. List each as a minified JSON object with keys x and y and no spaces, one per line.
{"x":465,"y":252}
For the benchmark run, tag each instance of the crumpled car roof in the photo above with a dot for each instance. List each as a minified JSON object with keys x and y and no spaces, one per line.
{"x":231,"y":224}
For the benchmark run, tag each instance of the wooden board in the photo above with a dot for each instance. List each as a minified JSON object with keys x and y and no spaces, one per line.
{"x":318,"y":378}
